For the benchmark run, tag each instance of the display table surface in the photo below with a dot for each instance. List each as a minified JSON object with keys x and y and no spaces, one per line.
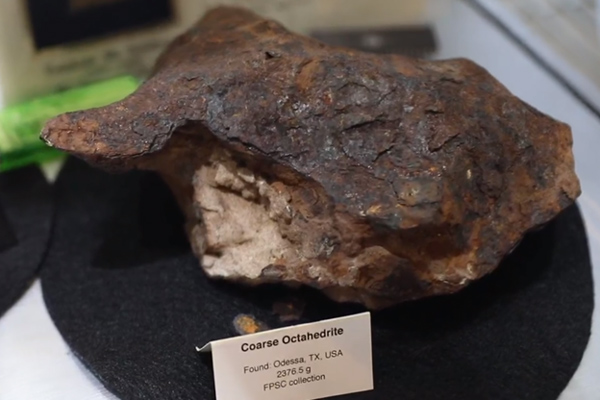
{"x":35,"y":363}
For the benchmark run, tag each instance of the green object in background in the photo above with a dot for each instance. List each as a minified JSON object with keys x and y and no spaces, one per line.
{"x":21,"y":124}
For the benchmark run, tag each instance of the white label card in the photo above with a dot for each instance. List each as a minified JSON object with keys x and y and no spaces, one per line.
{"x":302,"y":362}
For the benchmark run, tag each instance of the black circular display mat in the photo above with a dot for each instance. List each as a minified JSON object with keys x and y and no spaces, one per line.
{"x":132,"y":302}
{"x":26,"y":210}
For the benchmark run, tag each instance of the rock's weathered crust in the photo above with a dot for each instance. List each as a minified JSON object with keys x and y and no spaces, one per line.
{"x":376,"y":178}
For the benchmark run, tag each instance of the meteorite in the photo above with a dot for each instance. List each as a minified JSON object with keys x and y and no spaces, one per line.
{"x":375,"y":178}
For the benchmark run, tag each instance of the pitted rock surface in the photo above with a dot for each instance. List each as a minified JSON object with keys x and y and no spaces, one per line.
{"x":375,"y":178}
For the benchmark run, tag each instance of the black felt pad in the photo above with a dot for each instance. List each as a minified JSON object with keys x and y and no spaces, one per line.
{"x":132,"y":302}
{"x":26,"y":210}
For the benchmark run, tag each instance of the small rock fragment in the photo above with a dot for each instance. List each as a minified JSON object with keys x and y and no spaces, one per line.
{"x":290,"y":309}
{"x":246,"y":324}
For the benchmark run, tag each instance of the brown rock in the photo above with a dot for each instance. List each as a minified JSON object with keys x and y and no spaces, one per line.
{"x":246,"y":324}
{"x":376,"y":178}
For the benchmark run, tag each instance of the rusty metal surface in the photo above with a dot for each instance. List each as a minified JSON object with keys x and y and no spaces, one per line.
{"x":446,"y":167}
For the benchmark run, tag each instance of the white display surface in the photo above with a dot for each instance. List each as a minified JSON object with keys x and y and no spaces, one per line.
{"x":35,"y":363}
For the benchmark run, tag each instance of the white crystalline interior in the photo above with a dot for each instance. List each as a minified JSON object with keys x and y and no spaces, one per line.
{"x":239,"y":212}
